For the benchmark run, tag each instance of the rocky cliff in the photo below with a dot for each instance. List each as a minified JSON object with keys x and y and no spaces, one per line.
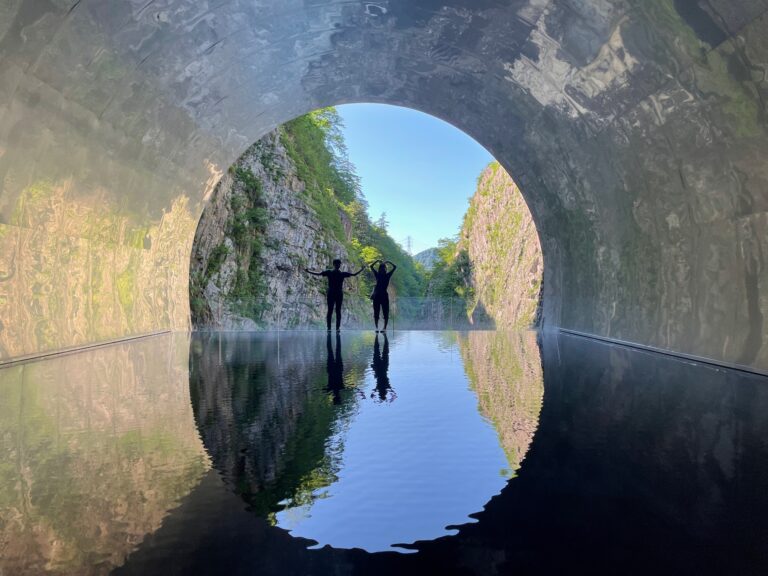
{"x":501,"y":242}
{"x":257,"y":233}
{"x":427,"y":258}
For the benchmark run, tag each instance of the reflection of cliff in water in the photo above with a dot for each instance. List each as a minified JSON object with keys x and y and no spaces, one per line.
{"x":504,"y":370}
{"x":266,"y":415}
{"x":658,"y":463}
{"x":272,"y":413}
{"x":95,"y":449}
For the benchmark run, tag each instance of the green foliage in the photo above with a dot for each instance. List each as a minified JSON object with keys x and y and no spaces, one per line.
{"x":315,"y":144}
{"x":248,"y":180}
{"x":199,"y":280}
{"x":451,"y":276}
{"x":371,"y":242}
{"x":327,"y":186}
{"x":198,"y":304}
{"x":215,"y":260}
{"x":382,"y":222}
{"x":368,"y":253}
{"x":247,"y":228}
{"x":249,"y":215}
{"x":270,"y":166}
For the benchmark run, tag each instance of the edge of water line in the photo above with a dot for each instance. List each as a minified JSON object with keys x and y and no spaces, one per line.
{"x":671,"y":353}
{"x":30,"y":358}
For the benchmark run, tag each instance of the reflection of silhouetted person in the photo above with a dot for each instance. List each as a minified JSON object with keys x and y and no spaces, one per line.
{"x":380,"y":295}
{"x":335,"y":294}
{"x":335,"y":368}
{"x":380,"y":368}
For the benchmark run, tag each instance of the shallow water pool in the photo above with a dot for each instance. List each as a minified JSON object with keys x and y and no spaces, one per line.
{"x":355,"y":440}
{"x":430,"y":452}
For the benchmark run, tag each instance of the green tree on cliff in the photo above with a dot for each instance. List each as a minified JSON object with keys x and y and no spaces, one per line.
{"x":315,"y":143}
{"x":451,"y":276}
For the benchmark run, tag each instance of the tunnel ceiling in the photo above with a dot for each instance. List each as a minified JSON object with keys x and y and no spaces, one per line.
{"x":635,"y":129}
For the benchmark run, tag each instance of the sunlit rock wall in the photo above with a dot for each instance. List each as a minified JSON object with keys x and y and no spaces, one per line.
{"x":292,"y":239}
{"x":635,"y":129}
{"x":501,"y":241}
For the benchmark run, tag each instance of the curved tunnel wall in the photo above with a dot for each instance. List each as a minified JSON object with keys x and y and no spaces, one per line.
{"x":635,"y":129}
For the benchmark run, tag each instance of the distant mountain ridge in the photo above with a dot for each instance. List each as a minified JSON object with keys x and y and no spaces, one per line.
{"x":427,"y":258}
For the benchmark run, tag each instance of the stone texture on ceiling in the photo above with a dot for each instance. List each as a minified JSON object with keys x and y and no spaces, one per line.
{"x":635,"y":129}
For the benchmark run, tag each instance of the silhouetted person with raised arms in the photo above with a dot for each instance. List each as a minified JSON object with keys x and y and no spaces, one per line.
{"x":380,"y":367}
{"x":335,"y":293}
{"x":335,"y":367}
{"x":380,"y":295}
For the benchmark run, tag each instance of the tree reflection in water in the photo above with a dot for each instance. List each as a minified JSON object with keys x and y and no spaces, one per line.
{"x":641,"y":456}
{"x":278,"y":425}
{"x":266,"y":419}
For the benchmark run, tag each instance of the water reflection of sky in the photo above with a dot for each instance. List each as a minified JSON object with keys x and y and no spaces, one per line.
{"x":640,"y":455}
{"x":132,"y":452}
{"x":409,"y":467}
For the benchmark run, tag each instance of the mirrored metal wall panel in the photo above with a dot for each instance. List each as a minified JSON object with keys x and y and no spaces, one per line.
{"x":636,"y":131}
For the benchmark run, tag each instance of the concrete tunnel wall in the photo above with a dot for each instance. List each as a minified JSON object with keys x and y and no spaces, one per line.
{"x":637,"y":131}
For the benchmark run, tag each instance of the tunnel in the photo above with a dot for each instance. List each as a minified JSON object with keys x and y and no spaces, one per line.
{"x":636,"y":131}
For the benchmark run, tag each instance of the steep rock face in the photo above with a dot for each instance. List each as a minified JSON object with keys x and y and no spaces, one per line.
{"x":502,"y":243}
{"x":287,"y":238}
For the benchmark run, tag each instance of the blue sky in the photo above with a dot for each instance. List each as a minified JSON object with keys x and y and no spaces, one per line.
{"x":420,"y":170}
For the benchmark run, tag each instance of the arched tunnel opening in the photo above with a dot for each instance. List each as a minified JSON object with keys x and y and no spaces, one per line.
{"x":295,"y":200}
{"x":288,"y":416}
{"x":636,"y":132}
{"x":633,"y":131}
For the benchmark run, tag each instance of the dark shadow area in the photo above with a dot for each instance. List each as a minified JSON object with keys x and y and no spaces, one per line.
{"x":334,"y":368}
{"x":384,"y":391}
{"x":642,"y":463}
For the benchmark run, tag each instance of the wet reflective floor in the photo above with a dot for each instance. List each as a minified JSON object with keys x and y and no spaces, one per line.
{"x":425,"y":452}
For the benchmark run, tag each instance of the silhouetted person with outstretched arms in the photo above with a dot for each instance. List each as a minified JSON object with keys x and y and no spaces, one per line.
{"x":335,"y":294}
{"x":380,"y":367}
{"x":380,"y":296}
{"x":335,"y":367}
